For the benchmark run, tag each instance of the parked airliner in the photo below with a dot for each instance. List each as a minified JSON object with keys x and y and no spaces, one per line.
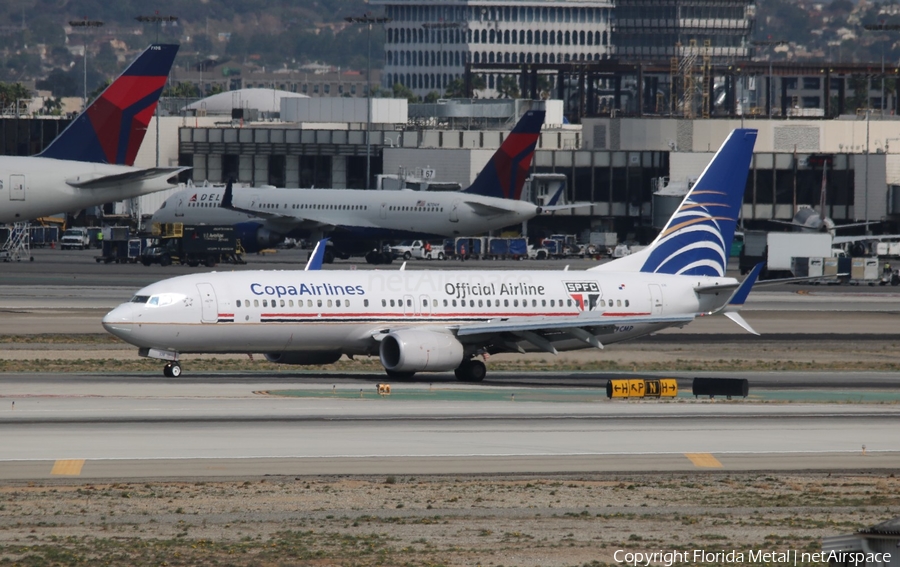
{"x":264,"y":216}
{"x":91,"y":162}
{"x":435,"y":320}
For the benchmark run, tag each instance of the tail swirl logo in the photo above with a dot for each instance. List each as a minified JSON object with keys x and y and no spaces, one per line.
{"x":693,"y":242}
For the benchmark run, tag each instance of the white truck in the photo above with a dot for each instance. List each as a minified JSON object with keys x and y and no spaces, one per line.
{"x":75,"y":238}
{"x":779,"y":250}
{"x":409,"y":249}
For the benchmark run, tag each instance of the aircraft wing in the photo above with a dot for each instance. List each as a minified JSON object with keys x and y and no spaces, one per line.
{"x":540,"y":331}
{"x":285,"y":220}
{"x":115,"y":180}
{"x":865,"y":238}
{"x":484,"y":209}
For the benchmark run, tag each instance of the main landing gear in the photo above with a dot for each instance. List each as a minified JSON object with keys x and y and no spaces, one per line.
{"x":172,"y":370}
{"x":471,"y":371}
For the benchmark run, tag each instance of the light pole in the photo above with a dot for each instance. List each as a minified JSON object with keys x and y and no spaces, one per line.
{"x":158,"y":20}
{"x":86,"y":24}
{"x":769,"y":43}
{"x":881,"y":27}
{"x":368,"y":20}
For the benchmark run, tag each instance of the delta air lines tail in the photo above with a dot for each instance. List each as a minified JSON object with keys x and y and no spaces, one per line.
{"x":112,"y":128}
{"x":504,"y":175}
{"x":92,"y":161}
{"x":443,"y":320}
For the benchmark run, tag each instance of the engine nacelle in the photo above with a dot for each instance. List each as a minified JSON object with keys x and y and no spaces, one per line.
{"x":411,"y":350}
{"x":307,"y":357}
{"x":266,"y":238}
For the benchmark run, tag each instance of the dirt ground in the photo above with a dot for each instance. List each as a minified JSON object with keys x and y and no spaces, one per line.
{"x":561,"y":520}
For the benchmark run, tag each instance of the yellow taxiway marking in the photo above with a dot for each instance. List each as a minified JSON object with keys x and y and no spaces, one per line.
{"x":705,"y":460}
{"x":69,"y":467}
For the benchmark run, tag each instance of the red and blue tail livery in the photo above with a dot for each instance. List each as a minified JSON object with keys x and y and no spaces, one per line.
{"x":112,"y":128}
{"x":504,"y":176}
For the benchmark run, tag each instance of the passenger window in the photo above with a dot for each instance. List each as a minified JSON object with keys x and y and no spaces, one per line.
{"x":515,"y":302}
{"x":392,"y":303}
{"x":409,"y":302}
{"x":319,"y":302}
{"x":488,"y":302}
{"x":309,"y":302}
{"x":471,"y":303}
{"x":454,"y":303}
{"x":329,"y":303}
{"x":543,"y":303}
{"x":505,"y":303}
{"x":365,"y":302}
{"x":480,"y":303}
{"x":265,"y":303}
{"x":282,"y":303}
{"x":552,"y":303}
{"x":534,"y":302}
{"x":618,"y":303}
{"x":627,"y":303}
{"x":255,"y":303}
{"x":384,"y":302}
{"x":238,"y":302}
{"x":445,"y":303}
{"x":434,"y":303}
{"x":424,"y":303}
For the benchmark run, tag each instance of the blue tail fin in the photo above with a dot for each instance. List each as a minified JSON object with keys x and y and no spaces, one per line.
{"x":112,"y":128}
{"x":504,"y":176}
{"x":697,"y":239}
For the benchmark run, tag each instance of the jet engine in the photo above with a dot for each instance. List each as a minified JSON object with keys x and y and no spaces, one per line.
{"x":411,"y":350}
{"x":266,"y":238}
{"x":305,"y":357}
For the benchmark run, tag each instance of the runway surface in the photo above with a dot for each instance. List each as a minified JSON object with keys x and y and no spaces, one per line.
{"x":104,"y":427}
{"x":228,"y":425}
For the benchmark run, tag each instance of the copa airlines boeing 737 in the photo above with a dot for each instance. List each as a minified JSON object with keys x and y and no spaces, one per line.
{"x":435,"y":320}
{"x":263,"y":216}
{"x":90,"y":163}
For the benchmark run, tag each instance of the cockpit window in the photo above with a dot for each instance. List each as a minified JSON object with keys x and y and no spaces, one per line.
{"x":164,"y":299}
{"x":140,"y":299}
{"x":164,"y":205}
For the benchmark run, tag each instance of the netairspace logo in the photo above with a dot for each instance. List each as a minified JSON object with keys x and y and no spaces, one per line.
{"x":756,"y":556}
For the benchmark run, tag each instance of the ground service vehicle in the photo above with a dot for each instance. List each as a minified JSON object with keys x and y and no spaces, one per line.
{"x":75,"y":238}
{"x":192,"y":245}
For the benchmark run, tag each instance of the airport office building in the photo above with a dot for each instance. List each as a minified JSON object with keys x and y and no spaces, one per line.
{"x":614,"y":164}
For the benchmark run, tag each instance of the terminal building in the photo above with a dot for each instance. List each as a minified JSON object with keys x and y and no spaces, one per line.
{"x":613,"y":165}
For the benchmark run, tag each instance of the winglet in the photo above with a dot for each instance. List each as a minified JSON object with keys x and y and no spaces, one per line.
{"x":228,"y":197}
{"x":740,"y":294}
{"x":111,"y":129}
{"x":318,"y":253}
{"x":558,"y":194}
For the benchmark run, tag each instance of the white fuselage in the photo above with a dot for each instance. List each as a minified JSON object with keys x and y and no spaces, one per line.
{"x":406,"y":212}
{"x":31,"y":187}
{"x":285,"y":311}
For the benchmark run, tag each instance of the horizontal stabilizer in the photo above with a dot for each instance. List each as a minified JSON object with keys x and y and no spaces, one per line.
{"x":116,"y":180}
{"x":736,"y":317}
{"x":485,"y":209}
{"x":570,"y":206}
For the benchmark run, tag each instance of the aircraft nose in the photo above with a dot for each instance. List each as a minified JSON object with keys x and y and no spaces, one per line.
{"x":119,"y":321}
